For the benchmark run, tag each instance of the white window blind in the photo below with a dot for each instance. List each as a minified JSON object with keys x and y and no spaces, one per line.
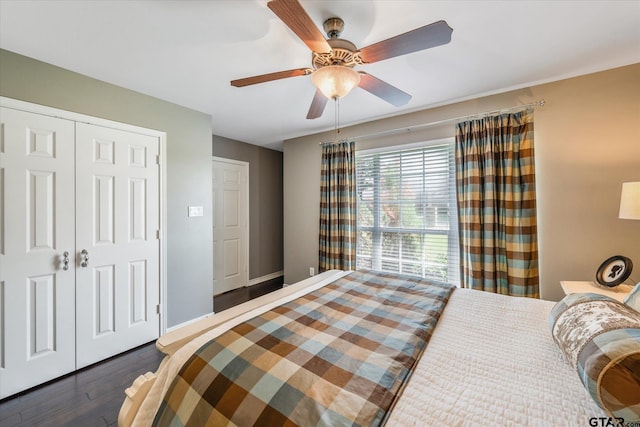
{"x":407,"y":217}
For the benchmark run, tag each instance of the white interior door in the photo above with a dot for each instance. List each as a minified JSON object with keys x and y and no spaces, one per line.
{"x":230,"y":225}
{"x":117,"y":241}
{"x":37,"y":219}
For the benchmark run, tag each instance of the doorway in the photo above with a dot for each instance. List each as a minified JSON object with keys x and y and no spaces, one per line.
{"x":230,"y":225}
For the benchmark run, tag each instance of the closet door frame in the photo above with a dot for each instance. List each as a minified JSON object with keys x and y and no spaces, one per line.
{"x":162,"y":137}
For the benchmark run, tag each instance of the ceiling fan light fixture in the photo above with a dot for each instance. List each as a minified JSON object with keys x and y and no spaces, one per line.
{"x":332,"y":59}
{"x":335,"y":81}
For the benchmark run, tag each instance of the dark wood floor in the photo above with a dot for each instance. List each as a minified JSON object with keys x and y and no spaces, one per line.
{"x":237,"y":296}
{"x":93,"y":396}
{"x":90,"y":397}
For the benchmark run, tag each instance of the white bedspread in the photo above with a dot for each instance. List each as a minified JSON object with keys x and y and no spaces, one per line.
{"x":490,"y":362}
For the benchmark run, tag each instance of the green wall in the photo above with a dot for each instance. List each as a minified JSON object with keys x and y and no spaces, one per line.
{"x":188,"y":164}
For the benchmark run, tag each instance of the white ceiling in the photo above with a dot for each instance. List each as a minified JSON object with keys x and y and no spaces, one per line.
{"x":186,"y":52}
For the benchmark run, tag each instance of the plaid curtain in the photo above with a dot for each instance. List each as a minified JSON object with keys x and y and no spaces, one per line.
{"x":495,"y":186}
{"x":338,"y":207}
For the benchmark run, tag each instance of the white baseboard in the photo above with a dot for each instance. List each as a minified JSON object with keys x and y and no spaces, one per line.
{"x":188,"y":322}
{"x":252,"y":282}
{"x":265,"y":278}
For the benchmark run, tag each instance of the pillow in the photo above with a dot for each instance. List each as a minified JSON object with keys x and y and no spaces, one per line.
{"x":600,"y":337}
{"x":633,"y":299}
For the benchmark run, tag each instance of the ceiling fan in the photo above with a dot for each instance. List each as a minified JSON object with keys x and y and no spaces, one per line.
{"x":336,"y":55}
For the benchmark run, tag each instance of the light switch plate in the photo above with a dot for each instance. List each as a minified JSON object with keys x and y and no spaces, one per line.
{"x":196,"y":211}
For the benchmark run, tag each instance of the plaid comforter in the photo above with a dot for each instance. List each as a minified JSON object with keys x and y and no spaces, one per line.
{"x":338,"y":356}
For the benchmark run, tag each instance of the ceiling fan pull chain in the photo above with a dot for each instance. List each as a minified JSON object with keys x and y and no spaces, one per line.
{"x":337,"y":117}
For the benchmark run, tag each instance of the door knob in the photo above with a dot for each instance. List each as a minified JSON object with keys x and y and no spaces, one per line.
{"x":65,"y":260}
{"x":84,"y":258}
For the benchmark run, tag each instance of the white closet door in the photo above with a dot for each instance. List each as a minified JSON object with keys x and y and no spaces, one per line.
{"x":117,"y":214}
{"x":230,"y":225}
{"x":37,"y":225}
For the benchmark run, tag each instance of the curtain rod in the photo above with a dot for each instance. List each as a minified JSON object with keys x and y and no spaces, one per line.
{"x":539,"y":103}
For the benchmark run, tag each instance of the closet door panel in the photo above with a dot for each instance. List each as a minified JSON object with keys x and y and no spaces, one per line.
{"x":37,"y":226}
{"x":117,"y":220}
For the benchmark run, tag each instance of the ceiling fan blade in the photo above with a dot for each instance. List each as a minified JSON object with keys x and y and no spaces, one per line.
{"x":383,"y":90}
{"x":297,"y":19}
{"x":271,"y":76}
{"x":432,"y":35}
{"x":317,"y":105}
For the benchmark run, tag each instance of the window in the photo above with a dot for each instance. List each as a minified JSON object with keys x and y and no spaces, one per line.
{"x":407,"y":217}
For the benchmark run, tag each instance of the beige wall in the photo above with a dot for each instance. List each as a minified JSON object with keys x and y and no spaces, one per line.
{"x":188,"y":165}
{"x":587,"y":139}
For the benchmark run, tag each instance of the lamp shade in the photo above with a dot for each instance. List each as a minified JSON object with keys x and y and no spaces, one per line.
{"x":335,"y":81}
{"x":630,"y":201}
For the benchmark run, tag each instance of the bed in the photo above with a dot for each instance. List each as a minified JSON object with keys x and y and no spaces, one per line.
{"x":488,"y":360}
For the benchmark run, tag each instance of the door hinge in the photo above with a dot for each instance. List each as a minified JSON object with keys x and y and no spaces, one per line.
{"x":158,"y":309}
{"x":157,"y":234}
{"x":158,"y":159}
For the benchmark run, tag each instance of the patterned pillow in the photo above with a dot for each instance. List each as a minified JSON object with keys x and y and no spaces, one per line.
{"x":600,"y":337}
{"x":633,"y":299}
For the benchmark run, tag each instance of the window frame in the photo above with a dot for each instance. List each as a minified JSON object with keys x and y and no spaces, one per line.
{"x":376,"y":229}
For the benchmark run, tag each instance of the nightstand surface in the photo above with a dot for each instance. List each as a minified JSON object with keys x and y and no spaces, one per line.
{"x":575,"y":287}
